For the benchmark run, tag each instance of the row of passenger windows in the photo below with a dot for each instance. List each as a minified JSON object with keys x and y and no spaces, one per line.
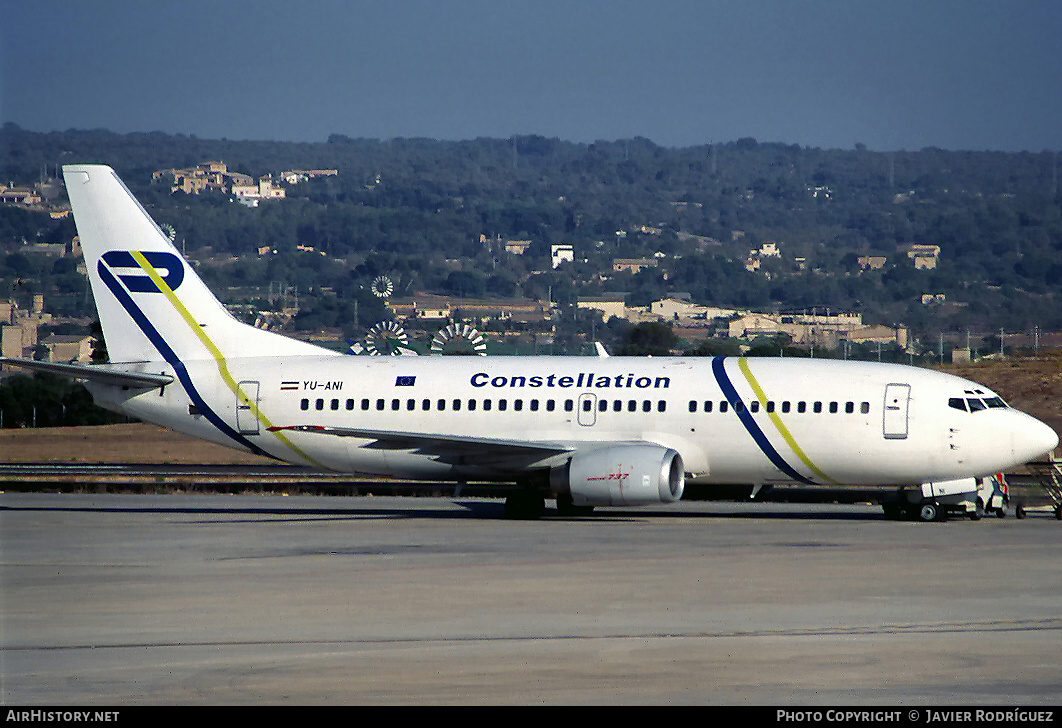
{"x":784,"y":407}
{"x":549,"y":405}
{"x":471,"y":405}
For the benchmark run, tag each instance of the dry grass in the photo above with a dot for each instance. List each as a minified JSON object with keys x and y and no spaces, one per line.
{"x":128,"y":443}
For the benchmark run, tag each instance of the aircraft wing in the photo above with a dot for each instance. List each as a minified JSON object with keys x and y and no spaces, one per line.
{"x":102,"y":373}
{"x":457,"y":449}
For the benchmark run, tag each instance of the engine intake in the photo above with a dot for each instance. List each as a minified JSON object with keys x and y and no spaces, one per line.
{"x":621,"y":475}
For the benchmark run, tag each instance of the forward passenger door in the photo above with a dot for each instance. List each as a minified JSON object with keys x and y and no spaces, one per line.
{"x":897,"y":402}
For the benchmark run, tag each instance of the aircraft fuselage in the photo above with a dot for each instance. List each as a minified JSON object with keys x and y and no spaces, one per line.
{"x":733,"y":420}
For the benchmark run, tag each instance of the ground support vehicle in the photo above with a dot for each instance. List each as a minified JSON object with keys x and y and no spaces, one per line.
{"x":934,"y":501}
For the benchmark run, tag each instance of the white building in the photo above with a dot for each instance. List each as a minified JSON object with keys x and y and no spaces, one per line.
{"x":250,"y":194}
{"x":561,"y":253}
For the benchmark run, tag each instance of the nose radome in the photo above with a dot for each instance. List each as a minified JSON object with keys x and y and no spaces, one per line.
{"x":1034,"y":440}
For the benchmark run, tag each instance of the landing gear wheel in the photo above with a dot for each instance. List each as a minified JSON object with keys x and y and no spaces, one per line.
{"x":566,"y":507}
{"x":928,"y":512}
{"x":525,"y":505}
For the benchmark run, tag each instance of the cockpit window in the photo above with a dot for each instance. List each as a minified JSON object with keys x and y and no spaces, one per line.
{"x":973,"y":404}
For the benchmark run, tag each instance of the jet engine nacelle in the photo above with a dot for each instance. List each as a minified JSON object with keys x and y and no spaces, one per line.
{"x":622,"y":475}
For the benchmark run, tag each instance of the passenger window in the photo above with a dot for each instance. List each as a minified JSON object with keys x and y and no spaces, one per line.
{"x":335,"y":404}
{"x":817,"y":407}
{"x":849,"y":407}
{"x":647,"y":406}
{"x":319,"y":404}
{"x":785,"y":407}
{"x":550,"y":405}
{"x":457,"y":405}
{"x":441,"y":405}
{"x":380,"y":404}
{"x":632,"y":405}
{"x":770,"y":406}
{"x":365,"y":404}
{"x":833,"y":408}
{"x":518,"y":404}
{"x":661,"y":406}
{"x":708,"y":406}
{"x":693,"y":406}
{"x":471,"y":405}
{"x":503,"y":404}
{"x":425,"y":404}
{"x":350,"y":404}
{"x":569,"y":405}
{"x":724,"y":406}
{"x":602,"y":406}
{"x":304,"y":404}
{"x":802,"y":407}
{"x":534,"y":405}
{"x":754,"y":406}
{"x":486,"y":405}
{"x":865,"y":408}
{"x":396,"y":404}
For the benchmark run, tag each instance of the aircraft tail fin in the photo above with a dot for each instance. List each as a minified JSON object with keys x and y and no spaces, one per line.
{"x":150,"y":300}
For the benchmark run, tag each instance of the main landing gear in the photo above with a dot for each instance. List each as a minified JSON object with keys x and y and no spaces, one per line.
{"x":525,"y":504}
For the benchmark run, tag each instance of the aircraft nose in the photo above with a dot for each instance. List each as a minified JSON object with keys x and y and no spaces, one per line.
{"x":1034,"y":440}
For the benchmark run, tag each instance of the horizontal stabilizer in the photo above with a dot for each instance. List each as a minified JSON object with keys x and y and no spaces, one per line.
{"x":102,"y":373}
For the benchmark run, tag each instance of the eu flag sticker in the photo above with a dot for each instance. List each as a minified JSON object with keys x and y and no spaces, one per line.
{"x":405,"y":381}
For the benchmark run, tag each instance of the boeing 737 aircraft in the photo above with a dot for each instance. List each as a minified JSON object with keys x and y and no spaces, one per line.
{"x":606,"y":431}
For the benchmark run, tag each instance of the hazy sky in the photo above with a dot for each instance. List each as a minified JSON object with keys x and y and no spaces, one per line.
{"x":891,"y":74}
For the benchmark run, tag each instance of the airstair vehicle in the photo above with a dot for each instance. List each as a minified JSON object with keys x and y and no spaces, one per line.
{"x":1049,"y":474}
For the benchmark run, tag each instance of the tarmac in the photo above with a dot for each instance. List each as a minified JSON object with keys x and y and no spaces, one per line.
{"x":121,"y":600}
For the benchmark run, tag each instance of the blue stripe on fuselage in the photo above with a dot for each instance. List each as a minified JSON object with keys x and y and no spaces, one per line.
{"x":749,"y":422}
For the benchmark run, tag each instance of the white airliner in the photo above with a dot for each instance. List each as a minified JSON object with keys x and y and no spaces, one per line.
{"x":588,"y":431}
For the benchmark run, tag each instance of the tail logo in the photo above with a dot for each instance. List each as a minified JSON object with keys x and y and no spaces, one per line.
{"x":141,"y":280}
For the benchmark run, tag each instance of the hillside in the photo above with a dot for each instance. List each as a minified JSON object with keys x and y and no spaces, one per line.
{"x":939,"y":241}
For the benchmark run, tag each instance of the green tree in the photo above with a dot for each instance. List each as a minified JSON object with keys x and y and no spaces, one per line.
{"x":650,"y":338}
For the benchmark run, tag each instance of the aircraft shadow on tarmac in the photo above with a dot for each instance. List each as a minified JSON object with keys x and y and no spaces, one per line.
{"x":475,"y":508}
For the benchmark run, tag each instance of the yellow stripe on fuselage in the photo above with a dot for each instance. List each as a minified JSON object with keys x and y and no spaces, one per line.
{"x":219,"y":359}
{"x":743,"y":364}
